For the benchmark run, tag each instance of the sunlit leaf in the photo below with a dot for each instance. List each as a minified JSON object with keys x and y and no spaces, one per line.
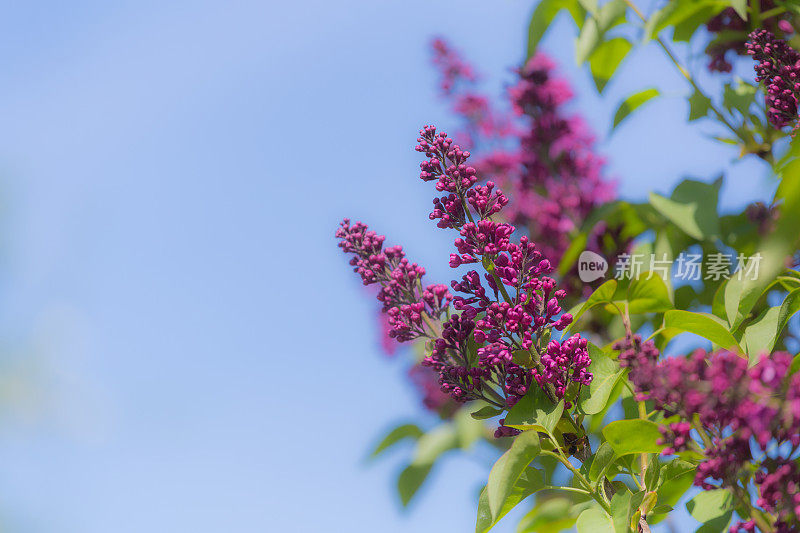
{"x":508,"y":469}
{"x":648,"y":295}
{"x":543,"y":16}
{"x":707,"y":326}
{"x":632,"y":103}
{"x":535,"y":411}
{"x":529,"y":482}
{"x":633,"y":436}
{"x":594,"y":520}
{"x":606,"y":372}
{"x":606,"y":58}
{"x":398,"y":434}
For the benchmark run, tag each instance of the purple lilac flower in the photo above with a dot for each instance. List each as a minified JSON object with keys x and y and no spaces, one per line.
{"x":405,"y":301}
{"x":735,"y":416}
{"x":497,"y":326}
{"x":565,"y":363}
{"x":778,"y":66}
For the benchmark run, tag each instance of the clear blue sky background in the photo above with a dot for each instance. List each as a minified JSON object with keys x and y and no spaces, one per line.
{"x":198,"y":354}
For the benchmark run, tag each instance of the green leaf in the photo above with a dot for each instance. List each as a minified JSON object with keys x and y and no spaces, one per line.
{"x":603,"y":458}
{"x":632,"y":103}
{"x":686,"y":28}
{"x":410,"y":480}
{"x":713,"y":508}
{"x":486,"y":412}
{"x":699,"y":106}
{"x":550,"y":515}
{"x":718,"y":302}
{"x":633,"y":436}
{"x":760,"y":337}
{"x":398,"y":434}
{"x":589,"y":5}
{"x":673,"y":489}
{"x":529,"y":482}
{"x":606,"y":58}
{"x":674,"y":469}
{"x":692,"y":207}
{"x":707,"y":326}
{"x":543,"y":16}
{"x":682,"y":215}
{"x":621,"y":511}
{"x":468,"y":429}
{"x":508,"y":469}
{"x":594,"y":520}
{"x":535,"y":411}
{"x":648,"y":295}
{"x":595,"y":28}
{"x":741,"y":7}
{"x":740,"y":98}
{"x":603,"y":294}
{"x":683,"y":15}
{"x":429,"y":447}
{"x":434,"y":443}
{"x":652,"y":473}
{"x":605,"y":375}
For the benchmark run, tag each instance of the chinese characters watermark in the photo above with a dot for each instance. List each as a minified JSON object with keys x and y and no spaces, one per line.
{"x":687,"y":266}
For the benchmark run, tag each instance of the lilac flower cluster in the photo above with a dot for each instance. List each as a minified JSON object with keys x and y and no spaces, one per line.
{"x":406,"y":303}
{"x":778,"y":66}
{"x":454,"y":71}
{"x":565,"y":363}
{"x":457,"y":83}
{"x":728,"y":26}
{"x":556,"y":154}
{"x":639,"y":357}
{"x":736,"y":417}
{"x":474,"y":355}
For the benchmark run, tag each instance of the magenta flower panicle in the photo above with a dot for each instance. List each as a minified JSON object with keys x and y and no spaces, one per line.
{"x":405,"y":301}
{"x":741,"y":419}
{"x":778,"y":67}
{"x":513,"y":310}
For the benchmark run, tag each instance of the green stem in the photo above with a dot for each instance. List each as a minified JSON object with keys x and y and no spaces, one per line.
{"x":570,"y":489}
{"x":772,"y":12}
{"x":599,"y":498}
{"x":702,"y":432}
{"x":755,"y":14}
{"x":431,"y":325}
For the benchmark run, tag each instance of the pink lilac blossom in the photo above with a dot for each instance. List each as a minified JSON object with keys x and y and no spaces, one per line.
{"x":405,"y":301}
{"x":744,"y":416}
{"x":565,"y":363}
{"x":530,"y":302}
{"x":473,"y":352}
{"x":778,"y":67}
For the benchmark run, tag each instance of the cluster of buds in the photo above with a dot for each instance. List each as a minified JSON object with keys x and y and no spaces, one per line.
{"x":740,"y":419}
{"x":778,"y":67}
{"x":508,"y":309}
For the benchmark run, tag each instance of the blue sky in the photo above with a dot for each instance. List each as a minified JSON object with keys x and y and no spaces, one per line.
{"x":193,"y":353}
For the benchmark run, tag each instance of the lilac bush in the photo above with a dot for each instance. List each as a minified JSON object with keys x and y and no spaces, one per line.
{"x":568,"y":380}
